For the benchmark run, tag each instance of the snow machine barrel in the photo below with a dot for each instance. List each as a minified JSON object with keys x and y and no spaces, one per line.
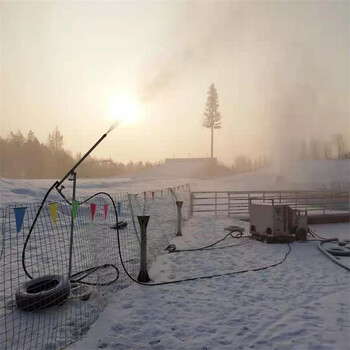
{"x":50,"y":290}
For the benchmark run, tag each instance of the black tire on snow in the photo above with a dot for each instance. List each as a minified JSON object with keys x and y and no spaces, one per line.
{"x":40,"y":293}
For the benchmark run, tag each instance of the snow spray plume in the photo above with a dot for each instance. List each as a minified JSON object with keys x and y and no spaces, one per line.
{"x":113,"y":126}
{"x":86,"y":154}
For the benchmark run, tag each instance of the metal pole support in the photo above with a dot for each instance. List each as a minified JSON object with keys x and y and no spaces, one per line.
{"x":191,"y":203}
{"x":179,"y":217}
{"x":143,"y":275}
{"x":74,"y":179}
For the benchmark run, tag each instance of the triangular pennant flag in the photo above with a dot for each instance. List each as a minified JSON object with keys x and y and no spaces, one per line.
{"x":152,"y":195}
{"x":105,"y":208}
{"x":75,"y":206}
{"x":53,"y":212}
{"x":119,"y":208}
{"x":19,"y":216}
{"x":92,"y":209}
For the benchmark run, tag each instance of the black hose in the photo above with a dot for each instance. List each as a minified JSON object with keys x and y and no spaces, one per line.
{"x":201,"y":277}
{"x":31,"y":230}
{"x":315,"y":235}
{"x":93,"y":269}
{"x":186,"y":279}
{"x":193,"y":278}
{"x":87,"y":272}
{"x":172,"y":247}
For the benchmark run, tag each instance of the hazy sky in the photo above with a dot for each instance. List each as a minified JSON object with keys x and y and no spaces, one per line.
{"x":281,"y":69}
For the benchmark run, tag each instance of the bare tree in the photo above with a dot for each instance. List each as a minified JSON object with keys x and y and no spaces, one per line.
{"x":340,"y":145}
{"x":243,"y":163}
{"x":327,"y":150}
{"x":212,"y":114}
{"x":303,"y":155}
{"x":315,"y":149}
{"x":55,"y":140}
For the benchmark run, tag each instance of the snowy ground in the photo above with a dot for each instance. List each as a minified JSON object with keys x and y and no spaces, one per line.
{"x":301,"y":175}
{"x":301,"y":304}
{"x":14,"y":191}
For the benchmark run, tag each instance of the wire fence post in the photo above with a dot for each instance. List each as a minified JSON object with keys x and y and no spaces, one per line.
{"x":130,"y":207}
{"x":74,"y":179}
{"x":228,"y":204}
{"x":143,"y":275}
{"x":191,"y":203}
{"x":216,"y":202}
{"x":179,"y":218}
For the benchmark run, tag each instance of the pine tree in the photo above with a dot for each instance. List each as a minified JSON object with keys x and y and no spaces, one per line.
{"x":212,"y":115}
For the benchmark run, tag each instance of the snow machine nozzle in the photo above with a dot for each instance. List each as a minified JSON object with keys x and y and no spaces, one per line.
{"x":59,"y":183}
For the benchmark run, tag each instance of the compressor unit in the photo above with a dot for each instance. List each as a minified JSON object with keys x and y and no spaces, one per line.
{"x":277,"y":222}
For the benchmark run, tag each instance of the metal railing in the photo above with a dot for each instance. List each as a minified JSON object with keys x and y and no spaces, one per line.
{"x":236,"y":203}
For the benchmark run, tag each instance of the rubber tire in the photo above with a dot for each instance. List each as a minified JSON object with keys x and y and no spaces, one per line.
{"x":40,"y":300}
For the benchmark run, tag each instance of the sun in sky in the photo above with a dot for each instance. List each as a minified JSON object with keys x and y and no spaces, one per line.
{"x":125,"y":109}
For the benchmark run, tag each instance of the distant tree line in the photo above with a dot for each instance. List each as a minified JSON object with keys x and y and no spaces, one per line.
{"x":244,"y":163}
{"x":334,"y":148}
{"x":27,"y":158}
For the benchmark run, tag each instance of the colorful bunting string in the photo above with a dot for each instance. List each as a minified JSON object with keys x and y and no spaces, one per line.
{"x":105,"y":208}
{"x":19,"y":216}
{"x":75,"y":206}
{"x":92,"y":210}
{"x":53,"y":212}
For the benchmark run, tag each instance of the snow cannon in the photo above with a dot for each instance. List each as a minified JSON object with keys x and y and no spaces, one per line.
{"x":50,"y":290}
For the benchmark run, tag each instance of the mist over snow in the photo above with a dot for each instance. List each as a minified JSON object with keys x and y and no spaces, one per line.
{"x":300,"y":175}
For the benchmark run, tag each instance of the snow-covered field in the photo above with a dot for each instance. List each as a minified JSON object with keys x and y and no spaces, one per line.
{"x":301,"y":175}
{"x":303,"y":303}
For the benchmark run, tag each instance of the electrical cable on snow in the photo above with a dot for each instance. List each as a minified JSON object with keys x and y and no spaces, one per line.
{"x":315,"y":235}
{"x":56,"y":185}
{"x":172,"y":247}
{"x":194,"y":278}
{"x":89,"y":271}
{"x":86,"y":272}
